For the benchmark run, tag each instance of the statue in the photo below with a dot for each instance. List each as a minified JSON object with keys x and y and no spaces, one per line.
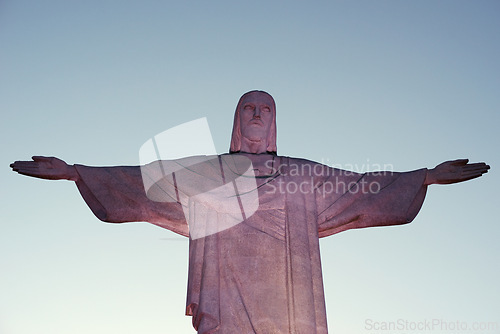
{"x":261,"y":274}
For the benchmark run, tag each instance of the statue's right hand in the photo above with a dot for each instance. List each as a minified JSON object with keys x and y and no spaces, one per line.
{"x":49,"y":168}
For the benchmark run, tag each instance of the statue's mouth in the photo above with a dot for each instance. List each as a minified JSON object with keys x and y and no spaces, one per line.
{"x":256,"y":121}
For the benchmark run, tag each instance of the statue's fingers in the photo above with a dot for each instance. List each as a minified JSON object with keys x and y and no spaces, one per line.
{"x":475,"y":166}
{"x":28,"y":172}
{"x":18,"y":163}
{"x":22,"y":170}
{"x":471,"y":177}
{"x":22,"y":167}
{"x":478,"y":164}
{"x":30,"y":166}
{"x":24,"y":163}
{"x":472,"y":174}
{"x":485,"y":166}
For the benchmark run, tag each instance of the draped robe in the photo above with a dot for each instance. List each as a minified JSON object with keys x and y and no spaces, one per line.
{"x":263,"y":275}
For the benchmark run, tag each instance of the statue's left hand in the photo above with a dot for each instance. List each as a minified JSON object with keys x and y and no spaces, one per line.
{"x":455,"y":171}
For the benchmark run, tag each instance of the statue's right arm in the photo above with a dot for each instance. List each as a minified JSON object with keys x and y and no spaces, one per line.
{"x":114,"y":194}
{"x":49,"y":168}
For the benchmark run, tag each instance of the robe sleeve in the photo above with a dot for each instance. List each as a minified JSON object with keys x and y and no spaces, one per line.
{"x":347,"y":200}
{"x":117,"y":195}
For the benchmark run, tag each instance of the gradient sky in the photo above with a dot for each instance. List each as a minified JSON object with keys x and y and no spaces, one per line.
{"x":358,"y":85}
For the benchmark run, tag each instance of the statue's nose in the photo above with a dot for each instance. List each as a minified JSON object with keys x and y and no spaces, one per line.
{"x":256,"y":113}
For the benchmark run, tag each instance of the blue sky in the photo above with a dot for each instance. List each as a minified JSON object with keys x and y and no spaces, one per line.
{"x":358,"y":84}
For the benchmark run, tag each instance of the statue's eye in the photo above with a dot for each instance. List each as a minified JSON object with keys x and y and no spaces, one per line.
{"x":248,"y":107}
{"x":266,"y":109}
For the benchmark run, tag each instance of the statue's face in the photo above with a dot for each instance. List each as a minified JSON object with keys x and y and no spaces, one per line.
{"x":256,"y":116}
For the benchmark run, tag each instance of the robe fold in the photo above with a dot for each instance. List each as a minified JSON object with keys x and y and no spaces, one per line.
{"x":263,"y":275}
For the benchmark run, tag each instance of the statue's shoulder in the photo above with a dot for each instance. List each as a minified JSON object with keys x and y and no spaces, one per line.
{"x":298,"y":161}
{"x":309,"y":167}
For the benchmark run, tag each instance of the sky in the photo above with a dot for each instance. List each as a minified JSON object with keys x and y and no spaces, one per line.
{"x":360,"y":85}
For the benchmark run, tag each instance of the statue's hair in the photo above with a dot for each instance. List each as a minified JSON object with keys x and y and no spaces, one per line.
{"x":236,"y":136}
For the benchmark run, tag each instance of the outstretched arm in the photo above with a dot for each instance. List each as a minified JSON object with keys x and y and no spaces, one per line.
{"x":114,"y":194}
{"x":49,"y":168}
{"x":455,"y":171}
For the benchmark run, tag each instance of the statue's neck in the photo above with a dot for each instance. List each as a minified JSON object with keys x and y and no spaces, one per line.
{"x":253,"y":146}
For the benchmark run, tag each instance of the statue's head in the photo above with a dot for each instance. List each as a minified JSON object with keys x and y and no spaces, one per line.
{"x":254,"y":129}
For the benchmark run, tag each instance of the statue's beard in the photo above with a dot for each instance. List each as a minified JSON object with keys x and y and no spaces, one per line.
{"x":255,"y":134}
{"x":255,"y":139}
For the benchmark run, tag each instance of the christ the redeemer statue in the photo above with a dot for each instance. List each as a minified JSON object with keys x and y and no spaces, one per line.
{"x":261,"y":274}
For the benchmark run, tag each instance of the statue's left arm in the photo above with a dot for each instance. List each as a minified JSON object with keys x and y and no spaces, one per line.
{"x":383,"y":198}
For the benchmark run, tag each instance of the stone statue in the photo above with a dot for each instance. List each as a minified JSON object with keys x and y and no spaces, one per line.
{"x":262,"y":275}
